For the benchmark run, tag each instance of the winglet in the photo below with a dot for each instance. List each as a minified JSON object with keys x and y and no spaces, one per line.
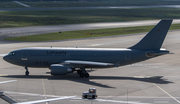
{"x":154,"y":39}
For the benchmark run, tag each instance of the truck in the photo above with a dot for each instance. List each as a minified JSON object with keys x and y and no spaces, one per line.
{"x":90,"y":94}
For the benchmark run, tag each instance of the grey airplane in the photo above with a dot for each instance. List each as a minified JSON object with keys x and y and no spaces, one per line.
{"x":62,"y":61}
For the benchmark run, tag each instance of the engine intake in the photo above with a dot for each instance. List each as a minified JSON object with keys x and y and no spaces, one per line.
{"x":58,"y":69}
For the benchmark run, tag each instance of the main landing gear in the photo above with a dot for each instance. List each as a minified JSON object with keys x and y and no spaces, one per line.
{"x":82,"y":73}
{"x":27,"y":72}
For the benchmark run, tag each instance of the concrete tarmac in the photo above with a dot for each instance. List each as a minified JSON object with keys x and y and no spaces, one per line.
{"x":155,"y":81}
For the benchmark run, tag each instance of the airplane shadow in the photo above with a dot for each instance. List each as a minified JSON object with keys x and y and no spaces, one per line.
{"x":76,"y":78}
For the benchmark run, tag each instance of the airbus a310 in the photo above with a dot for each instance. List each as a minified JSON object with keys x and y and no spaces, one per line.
{"x":62,"y":61}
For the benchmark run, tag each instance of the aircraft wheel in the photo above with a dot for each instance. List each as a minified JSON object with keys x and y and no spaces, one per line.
{"x":86,"y":75}
{"x":81,"y":75}
{"x":79,"y":71}
{"x":93,"y":97}
{"x":27,"y":72}
{"x":85,"y":96}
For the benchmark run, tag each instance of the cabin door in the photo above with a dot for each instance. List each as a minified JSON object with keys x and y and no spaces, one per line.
{"x":24,"y":55}
{"x":127,"y":56}
{"x":67,"y":56}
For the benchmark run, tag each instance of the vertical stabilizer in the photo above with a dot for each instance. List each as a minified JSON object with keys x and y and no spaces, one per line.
{"x":154,"y":39}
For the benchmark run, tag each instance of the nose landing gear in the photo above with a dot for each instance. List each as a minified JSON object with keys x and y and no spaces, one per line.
{"x":27,"y":72}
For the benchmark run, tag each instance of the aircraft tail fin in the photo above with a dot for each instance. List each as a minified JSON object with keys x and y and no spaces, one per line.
{"x":154,"y":39}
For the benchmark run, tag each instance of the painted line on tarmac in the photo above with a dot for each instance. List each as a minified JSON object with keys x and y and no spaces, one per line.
{"x":110,"y":101}
{"x":142,"y":76}
{"x":139,"y":97}
{"x":3,"y":74}
{"x":103,"y":100}
{"x":116,"y":101}
{"x":44,"y":90}
{"x":7,"y":81}
{"x":167,"y":93}
{"x":162,"y":102}
{"x":3,"y":54}
{"x":32,"y":94}
{"x":155,"y":76}
{"x":22,"y":4}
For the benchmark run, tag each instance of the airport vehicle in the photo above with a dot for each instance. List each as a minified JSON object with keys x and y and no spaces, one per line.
{"x":90,"y":94}
{"x":62,"y":61}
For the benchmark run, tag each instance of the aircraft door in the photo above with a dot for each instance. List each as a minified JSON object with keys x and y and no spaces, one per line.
{"x":24,"y":55}
{"x":67,"y":56}
{"x":127,"y":56}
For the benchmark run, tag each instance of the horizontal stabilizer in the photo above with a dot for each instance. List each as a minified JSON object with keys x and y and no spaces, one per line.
{"x":152,"y":54}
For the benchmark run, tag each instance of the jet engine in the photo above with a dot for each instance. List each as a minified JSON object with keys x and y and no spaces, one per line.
{"x":58,"y":69}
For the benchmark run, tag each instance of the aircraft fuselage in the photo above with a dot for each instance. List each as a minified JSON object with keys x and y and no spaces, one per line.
{"x":44,"y":57}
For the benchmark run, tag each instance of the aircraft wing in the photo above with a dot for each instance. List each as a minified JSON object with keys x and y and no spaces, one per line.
{"x":87,"y":63}
{"x":45,"y":100}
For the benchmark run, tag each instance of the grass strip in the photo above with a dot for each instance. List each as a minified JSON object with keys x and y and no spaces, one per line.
{"x":86,"y":33}
{"x":60,"y":17}
{"x":88,"y":3}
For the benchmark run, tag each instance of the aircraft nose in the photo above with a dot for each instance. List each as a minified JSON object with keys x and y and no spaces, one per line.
{"x":5,"y":58}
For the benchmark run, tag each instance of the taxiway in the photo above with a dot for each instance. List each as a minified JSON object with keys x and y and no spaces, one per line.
{"x":33,"y":30}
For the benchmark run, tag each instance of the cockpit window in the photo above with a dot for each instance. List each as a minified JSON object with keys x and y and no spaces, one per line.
{"x":11,"y":53}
